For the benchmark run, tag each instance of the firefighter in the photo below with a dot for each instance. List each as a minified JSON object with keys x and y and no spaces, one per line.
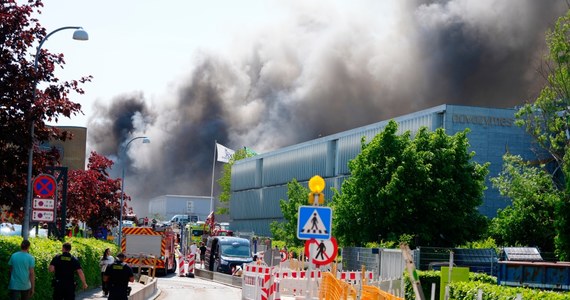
{"x":64,"y":266}
{"x":118,"y":275}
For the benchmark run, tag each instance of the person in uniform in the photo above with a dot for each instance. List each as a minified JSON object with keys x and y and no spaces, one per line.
{"x":64,"y":266}
{"x":117,"y":276}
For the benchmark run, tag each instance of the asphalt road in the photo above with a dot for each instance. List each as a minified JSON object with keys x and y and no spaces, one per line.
{"x":173,"y":287}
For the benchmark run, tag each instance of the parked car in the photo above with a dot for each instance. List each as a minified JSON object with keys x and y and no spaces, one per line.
{"x":225,"y":253}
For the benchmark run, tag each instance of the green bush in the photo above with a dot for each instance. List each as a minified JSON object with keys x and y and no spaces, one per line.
{"x":88,"y":251}
{"x":468,"y":290}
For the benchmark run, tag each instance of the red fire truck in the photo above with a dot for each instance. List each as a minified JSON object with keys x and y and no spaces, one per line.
{"x":145,"y":247}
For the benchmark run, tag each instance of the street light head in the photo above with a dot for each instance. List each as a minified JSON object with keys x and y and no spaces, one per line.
{"x":80,"y":35}
{"x":146,"y":140}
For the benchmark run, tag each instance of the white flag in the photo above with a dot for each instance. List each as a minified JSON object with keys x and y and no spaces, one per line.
{"x":224,"y":153}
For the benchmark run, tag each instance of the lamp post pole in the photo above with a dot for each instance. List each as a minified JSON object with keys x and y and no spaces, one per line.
{"x":81,"y":35}
{"x":123,"y":152}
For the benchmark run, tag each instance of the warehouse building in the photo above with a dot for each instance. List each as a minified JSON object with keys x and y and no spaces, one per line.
{"x":166,"y":206}
{"x":258,"y":183}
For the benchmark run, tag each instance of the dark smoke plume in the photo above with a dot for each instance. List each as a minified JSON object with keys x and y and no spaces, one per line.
{"x":323,"y":71}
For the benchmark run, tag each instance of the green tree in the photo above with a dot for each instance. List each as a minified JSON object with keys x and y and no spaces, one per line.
{"x":548,"y":120}
{"x":402,"y":186}
{"x":287,"y":231}
{"x":19,"y":35}
{"x":529,"y":220}
{"x":225,"y":180}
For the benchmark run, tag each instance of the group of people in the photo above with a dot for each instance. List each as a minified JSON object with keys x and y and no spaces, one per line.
{"x":202,"y":255}
{"x":115,"y":274}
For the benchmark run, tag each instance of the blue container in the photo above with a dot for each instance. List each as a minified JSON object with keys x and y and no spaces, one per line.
{"x":542,"y":275}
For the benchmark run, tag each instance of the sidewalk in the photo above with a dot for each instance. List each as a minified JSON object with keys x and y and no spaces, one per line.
{"x":97,"y":293}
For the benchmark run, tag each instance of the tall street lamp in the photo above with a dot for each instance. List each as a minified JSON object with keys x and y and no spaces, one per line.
{"x":145,"y":140}
{"x":78,"y":34}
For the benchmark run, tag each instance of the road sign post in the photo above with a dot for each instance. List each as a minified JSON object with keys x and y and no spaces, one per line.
{"x":314,"y":222}
{"x":43,"y":207}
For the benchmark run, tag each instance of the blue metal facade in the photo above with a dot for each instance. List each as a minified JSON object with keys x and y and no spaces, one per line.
{"x":258,"y":183}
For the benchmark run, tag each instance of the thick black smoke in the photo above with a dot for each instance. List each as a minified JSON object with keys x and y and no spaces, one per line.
{"x":323,"y":71}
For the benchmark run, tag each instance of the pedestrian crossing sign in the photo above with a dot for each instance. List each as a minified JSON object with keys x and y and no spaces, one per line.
{"x":314,"y":222}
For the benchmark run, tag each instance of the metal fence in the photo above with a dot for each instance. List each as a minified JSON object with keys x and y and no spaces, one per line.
{"x":478,"y":260}
{"x":386,"y":264}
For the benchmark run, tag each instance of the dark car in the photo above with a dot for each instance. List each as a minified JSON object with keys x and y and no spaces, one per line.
{"x":225,"y":253}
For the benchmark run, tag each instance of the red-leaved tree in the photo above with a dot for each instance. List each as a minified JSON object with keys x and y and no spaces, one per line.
{"x":20,"y":34}
{"x":93,"y":197}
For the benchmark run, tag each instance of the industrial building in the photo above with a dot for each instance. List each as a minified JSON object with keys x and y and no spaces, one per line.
{"x":72,"y":151}
{"x":166,"y":206}
{"x":259,"y":182}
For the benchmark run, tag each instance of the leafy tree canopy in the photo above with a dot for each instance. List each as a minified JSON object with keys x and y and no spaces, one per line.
{"x":93,"y":197}
{"x":19,"y":106}
{"x":427,"y":187}
{"x":225,"y":180}
{"x":529,"y":221}
{"x":547,"y":119}
{"x":287,"y":231}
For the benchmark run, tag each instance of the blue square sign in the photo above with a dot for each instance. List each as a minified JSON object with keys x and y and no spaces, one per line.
{"x":314,"y":222}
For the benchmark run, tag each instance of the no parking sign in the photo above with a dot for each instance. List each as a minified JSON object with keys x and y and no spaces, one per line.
{"x":43,"y":207}
{"x":44,"y":185}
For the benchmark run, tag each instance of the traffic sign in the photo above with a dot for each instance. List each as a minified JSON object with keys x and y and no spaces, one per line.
{"x":324,"y":251}
{"x":40,"y":203}
{"x":314,"y":222}
{"x":43,"y":215}
{"x":44,"y":185}
{"x":283,"y":254}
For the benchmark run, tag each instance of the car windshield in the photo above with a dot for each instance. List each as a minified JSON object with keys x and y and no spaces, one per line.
{"x":235,"y":250}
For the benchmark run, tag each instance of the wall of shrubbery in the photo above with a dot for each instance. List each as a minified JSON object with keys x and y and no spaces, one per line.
{"x":88,"y":251}
{"x":488,"y":284}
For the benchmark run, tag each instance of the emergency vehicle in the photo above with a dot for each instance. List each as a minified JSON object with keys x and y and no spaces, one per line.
{"x":141,"y":244}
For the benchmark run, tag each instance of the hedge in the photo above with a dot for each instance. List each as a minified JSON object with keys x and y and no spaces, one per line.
{"x":488,"y":284}
{"x":88,"y":251}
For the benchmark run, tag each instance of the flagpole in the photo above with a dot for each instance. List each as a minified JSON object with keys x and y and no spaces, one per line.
{"x":213,"y":170}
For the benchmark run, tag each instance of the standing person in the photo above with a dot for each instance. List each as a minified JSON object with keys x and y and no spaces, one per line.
{"x":63,"y":266}
{"x":118,"y":276}
{"x":22,"y":275}
{"x":105,"y":261}
{"x":202,"y":254}
{"x":194,"y":249}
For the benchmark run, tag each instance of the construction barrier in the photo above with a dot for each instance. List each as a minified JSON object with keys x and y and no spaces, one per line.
{"x":256,"y":282}
{"x":374,"y":293}
{"x":191,"y":258}
{"x":181,"y":267}
{"x":355,"y":277}
{"x":334,"y":289}
{"x":294,"y":283}
{"x":270,"y":283}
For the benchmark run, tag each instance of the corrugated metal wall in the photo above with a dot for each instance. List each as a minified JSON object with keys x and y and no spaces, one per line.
{"x":258,"y":183}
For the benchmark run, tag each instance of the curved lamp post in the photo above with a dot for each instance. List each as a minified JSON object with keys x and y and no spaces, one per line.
{"x":78,"y":34}
{"x":145,"y":140}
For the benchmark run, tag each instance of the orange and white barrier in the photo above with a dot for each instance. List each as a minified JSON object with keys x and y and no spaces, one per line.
{"x":355,"y":277}
{"x":191,"y":258}
{"x":294,"y":283}
{"x":269,"y":283}
{"x":181,"y":269}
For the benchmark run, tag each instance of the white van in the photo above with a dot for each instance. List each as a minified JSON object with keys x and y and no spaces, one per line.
{"x":180,"y":219}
